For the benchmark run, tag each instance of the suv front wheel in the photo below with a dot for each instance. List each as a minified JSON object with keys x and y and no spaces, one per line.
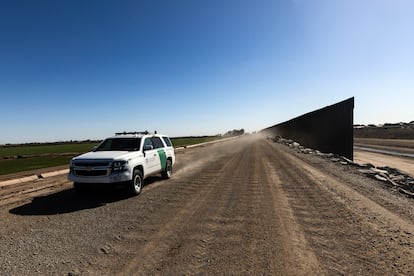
{"x":136,"y":182}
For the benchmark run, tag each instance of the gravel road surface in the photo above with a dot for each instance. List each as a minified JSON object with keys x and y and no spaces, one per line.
{"x":241,"y":207}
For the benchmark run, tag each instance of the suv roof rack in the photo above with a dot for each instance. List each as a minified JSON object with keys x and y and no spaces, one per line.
{"x":132,"y":132}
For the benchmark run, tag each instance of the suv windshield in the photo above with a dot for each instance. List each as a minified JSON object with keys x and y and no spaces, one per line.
{"x":123,"y":144}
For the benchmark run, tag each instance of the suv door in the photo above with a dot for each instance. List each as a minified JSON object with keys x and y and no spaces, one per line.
{"x":151,"y":156}
{"x":162,"y":157}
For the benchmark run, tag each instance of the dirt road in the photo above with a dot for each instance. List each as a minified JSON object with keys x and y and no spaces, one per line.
{"x":404,"y":164}
{"x":246,"y":206}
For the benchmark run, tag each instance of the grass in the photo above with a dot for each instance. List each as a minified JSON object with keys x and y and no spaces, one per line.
{"x":30,"y":150}
{"x":21,"y":158}
{"x":32,"y":163}
{"x":14,"y":159}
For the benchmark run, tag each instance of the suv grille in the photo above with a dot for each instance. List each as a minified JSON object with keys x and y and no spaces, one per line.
{"x":90,"y":167}
{"x":91,"y":173}
{"x":92,"y":163}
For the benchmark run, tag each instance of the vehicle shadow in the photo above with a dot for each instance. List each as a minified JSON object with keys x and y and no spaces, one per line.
{"x":69,"y":201}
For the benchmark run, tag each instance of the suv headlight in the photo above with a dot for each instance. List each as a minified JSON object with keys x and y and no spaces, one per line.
{"x":71,"y":166}
{"x":119,"y":166}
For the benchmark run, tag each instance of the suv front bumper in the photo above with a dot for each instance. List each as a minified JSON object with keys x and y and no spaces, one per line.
{"x":112,"y":178}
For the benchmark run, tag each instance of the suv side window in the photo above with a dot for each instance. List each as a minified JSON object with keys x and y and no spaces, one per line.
{"x":157,"y":142}
{"x":167,"y":141}
{"x":148,"y":142}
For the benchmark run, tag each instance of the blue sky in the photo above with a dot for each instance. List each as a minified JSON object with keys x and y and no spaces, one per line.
{"x":86,"y":69}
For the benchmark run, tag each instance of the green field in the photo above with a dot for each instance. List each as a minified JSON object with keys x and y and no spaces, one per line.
{"x":30,"y":150}
{"x":21,"y":158}
{"x":25,"y":164}
{"x":15,"y":159}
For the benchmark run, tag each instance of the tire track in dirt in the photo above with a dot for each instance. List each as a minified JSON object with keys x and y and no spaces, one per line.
{"x":349,"y":233}
{"x":164,"y":241}
{"x":234,"y":244}
{"x":232,"y":217}
{"x":295,"y":247}
{"x":25,"y":191}
{"x":245,"y":207}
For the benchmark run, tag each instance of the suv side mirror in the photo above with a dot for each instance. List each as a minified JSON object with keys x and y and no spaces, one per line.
{"x":94,"y":148}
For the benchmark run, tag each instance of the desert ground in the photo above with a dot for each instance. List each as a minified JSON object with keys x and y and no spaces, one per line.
{"x":406,"y":165}
{"x":241,"y":207}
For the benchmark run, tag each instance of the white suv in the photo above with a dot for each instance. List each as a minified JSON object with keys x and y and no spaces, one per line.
{"x":127,"y":158}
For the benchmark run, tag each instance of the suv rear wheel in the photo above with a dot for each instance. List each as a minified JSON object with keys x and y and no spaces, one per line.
{"x":167,"y":173}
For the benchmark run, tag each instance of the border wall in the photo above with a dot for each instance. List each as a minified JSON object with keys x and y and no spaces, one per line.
{"x":328,"y":130}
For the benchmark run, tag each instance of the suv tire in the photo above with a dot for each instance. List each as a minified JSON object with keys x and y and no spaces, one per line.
{"x":137,"y":182}
{"x":167,"y":173}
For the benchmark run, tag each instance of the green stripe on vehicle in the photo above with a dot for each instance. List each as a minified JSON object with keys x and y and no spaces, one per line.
{"x":163,"y":158}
